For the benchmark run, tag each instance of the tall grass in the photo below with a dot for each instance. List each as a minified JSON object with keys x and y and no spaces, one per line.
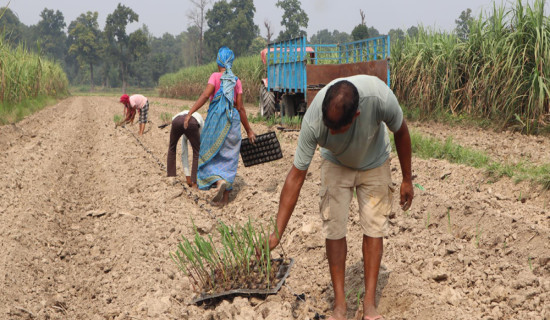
{"x":190,"y":82}
{"x":26,"y":78}
{"x":500,"y":72}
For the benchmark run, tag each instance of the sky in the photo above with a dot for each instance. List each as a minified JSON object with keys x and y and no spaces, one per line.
{"x":164,"y":16}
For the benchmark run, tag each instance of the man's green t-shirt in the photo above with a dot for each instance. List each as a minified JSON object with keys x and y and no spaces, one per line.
{"x":366,"y":145}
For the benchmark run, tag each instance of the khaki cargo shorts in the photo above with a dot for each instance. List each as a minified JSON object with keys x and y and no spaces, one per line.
{"x":374,"y":195}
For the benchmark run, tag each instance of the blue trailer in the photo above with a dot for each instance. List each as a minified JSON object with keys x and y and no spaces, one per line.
{"x":296,"y":71}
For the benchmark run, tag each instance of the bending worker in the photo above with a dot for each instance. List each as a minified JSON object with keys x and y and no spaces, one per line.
{"x":349,"y":119}
{"x":133,"y":103}
{"x":192,"y":134}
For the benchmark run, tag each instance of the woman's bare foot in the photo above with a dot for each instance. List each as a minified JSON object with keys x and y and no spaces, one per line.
{"x":222,"y":185}
{"x":223,"y":201}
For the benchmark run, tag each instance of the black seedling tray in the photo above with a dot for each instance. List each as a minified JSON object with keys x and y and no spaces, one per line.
{"x":282,"y":274}
{"x":266,"y":148}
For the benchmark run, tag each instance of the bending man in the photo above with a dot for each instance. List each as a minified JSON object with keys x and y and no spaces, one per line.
{"x":348,"y":119}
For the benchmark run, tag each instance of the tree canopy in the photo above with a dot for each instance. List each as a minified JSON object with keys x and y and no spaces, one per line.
{"x":86,"y":41}
{"x":326,"y":37}
{"x":51,"y":34}
{"x":360,"y":32}
{"x":463,"y":24}
{"x":10,"y":26}
{"x":122,"y":47}
{"x":294,"y":19}
{"x":232,"y":25}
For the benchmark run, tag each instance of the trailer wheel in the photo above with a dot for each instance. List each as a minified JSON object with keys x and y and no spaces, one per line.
{"x":267,"y":102}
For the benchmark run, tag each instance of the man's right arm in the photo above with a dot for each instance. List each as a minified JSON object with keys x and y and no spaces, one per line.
{"x":307,"y":143}
{"x":289,"y":196}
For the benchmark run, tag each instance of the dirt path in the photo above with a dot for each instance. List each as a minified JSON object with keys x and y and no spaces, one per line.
{"x":87,"y":219}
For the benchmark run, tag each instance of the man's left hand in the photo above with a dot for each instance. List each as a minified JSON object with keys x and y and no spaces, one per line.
{"x":407,"y":195}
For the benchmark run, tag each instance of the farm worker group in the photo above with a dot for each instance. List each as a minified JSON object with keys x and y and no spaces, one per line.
{"x":349,"y":119}
{"x":131,"y":104}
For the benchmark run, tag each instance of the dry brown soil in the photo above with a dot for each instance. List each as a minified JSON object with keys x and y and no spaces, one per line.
{"x":88,"y":218}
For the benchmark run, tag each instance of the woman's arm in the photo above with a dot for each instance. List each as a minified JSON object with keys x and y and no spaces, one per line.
{"x":208,"y":91}
{"x":244,"y":120}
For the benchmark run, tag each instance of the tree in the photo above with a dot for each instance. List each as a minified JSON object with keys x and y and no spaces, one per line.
{"x":326,"y":37}
{"x":51,"y":34}
{"x":119,"y":41}
{"x":231,"y":25}
{"x":373,"y":32}
{"x":85,"y":39}
{"x":242,"y":28}
{"x":341,"y":37}
{"x":321,"y":37}
{"x":138,"y":51}
{"x":257,"y":45}
{"x":294,"y":18}
{"x":361,"y":31}
{"x":396,"y":35}
{"x":412,"y":32}
{"x":165,"y":56}
{"x":217,"y":35}
{"x":269,"y":32}
{"x":191,"y":52}
{"x":463,"y":24}
{"x":197,"y":16}
{"x":10,"y":26}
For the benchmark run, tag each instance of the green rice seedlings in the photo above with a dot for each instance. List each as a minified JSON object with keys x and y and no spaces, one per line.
{"x":117,"y":118}
{"x":449,"y":219}
{"x":478,"y":235}
{"x":241,"y":259}
{"x":359,"y":293}
{"x":166,"y":118}
{"x":428,"y":220}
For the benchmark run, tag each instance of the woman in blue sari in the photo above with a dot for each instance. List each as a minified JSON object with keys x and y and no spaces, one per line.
{"x":221,"y":135}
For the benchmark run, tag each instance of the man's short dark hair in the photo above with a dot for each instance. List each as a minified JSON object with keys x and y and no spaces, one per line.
{"x":340,"y":104}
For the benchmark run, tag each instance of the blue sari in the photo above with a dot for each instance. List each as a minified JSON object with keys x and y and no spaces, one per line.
{"x":221,"y":135}
{"x":220,"y":144}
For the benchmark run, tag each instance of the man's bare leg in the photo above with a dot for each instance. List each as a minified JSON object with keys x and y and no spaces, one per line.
{"x":372,"y":257}
{"x":336,"y":253}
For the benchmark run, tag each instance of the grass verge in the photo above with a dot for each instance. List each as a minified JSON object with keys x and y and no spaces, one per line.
{"x":11,"y":113}
{"x":431,"y":148}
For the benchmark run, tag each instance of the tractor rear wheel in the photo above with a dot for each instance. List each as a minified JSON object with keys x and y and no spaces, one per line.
{"x":267,"y":102}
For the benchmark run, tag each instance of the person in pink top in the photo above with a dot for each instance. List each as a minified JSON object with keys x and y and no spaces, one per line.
{"x":221,"y":135}
{"x":131,"y":104}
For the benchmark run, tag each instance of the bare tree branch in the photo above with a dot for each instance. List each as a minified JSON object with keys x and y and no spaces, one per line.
{"x":267,"y":25}
{"x":197,"y":17}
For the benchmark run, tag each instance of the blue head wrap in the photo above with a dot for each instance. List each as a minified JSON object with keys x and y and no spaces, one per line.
{"x":225,"y":60}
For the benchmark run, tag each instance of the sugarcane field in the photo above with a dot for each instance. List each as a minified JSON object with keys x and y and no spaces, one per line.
{"x":365,"y":176}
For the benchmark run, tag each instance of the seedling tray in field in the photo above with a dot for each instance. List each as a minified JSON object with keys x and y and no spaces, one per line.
{"x":282,"y":274}
{"x":265,"y":149}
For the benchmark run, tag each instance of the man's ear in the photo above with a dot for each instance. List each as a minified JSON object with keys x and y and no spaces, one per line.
{"x":356,"y":114}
